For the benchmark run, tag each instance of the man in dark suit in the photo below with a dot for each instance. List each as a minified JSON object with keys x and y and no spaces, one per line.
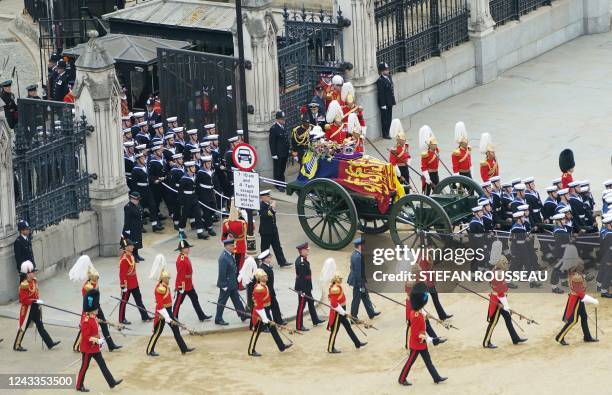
{"x":23,"y":245}
{"x":60,"y":89}
{"x":386,"y":98}
{"x":267,"y":228}
{"x":274,"y":309}
{"x":228,"y":284}
{"x":10,"y":105}
{"x":356,"y":279}
{"x":303,"y":284}
{"x":279,"y":148}
{"x":132,"y":223}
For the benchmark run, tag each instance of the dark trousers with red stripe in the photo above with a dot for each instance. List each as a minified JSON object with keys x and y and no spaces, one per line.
{"x":125,"y":297}
{"x":193,"y":295}
{"x":412,"y":358}
{"x":159,"y":328}
{"x":101,"y":363}
{"x":302,"y":300}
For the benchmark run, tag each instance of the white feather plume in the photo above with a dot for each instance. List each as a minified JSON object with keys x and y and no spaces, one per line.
{"x":27,"y":267}
{"x":248,"y":270}
{"x":328,"y":270}
{"x":485,"y":142}
{"x":425,"y":135}
{"x":347,"y":89}
{"x":353,"y":122}
{"x":159,"y":263}
{"x":334,"y":109}
{"x":78,"y":272}
{"x":496,"y":252}
{"x":395,"y":128}
{"x":460,"y":132}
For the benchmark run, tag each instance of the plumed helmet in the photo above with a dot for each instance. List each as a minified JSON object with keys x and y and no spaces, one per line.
{"x":418,"y":296}
{"x":158,"y":268}
{"x":461,"y":135}
{"x":328,"y":270}
{"x":566,"y":160}
{"x":396,"y":130}
{"x":353,"y":123}
{"x":336,"y":278}
{"x":337,"y":80}
{"x":91,"y":300}
{"x":347,"y":94}
{"x":486,"y":144}
{"x":426,"y":137}
{"x":27,"y":267}
{"x":81,"y":269}
{"x":259,"y":274}
{"x":496,"y":252}
{"x":334,"y":111}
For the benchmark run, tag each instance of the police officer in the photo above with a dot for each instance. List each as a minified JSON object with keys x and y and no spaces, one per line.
{"x":267,"y":228}
{"x":188,"y":202}
{"x":132,"y":223}
{"x":23,"y":245}
{"x":60,"y":89}
{"x":279,"y":148}
{"x":10,"y":106}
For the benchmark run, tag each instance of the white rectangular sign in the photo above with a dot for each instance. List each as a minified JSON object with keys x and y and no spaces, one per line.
{"x":246,"y":189}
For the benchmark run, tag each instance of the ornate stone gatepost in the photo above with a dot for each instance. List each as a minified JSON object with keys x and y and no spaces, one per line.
{"x":8,"y":226}
{"x":98,"y":98}
{"x":482,"y":34}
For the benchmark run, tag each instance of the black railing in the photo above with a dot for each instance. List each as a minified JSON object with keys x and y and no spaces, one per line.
{"x":66,"y":9}
{"x":50,"y":163}
{"x":503,"y":11}
{"x":37,"y":9}
{"x":411,"y":31}
{"x":312,"y":44}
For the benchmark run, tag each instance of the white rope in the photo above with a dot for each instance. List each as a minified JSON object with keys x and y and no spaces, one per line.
{"x":273,"y":181}
{"x":213,"y":209}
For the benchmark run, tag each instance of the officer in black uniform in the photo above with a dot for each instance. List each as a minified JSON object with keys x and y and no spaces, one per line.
{"x":279,"y":148}
{"x":140,"y":179}
{"x":23,"y":245}
{"x":51,"y":75}
{"x":303,"y":284}
{"x":274,"y":309}
{"x":476,"y":234}
{"x":60,"y":87}
{"x":32,"y":92}
{"x":132,"y":223}
{"x":169,"y":149}
{"x":561,"y":241}
{"x":188,"y":202}
{"x":267,"y":227}
{"x":532,"y":197}
{"x":128,"y":162}
{"x":172,"y":181}
{"x":152,"y":116}
{"x":386,"y":98}
{"x":10,"y":106}
{"x":315,"y":115}
{"x":550,"y":204}
{"x":156,"y":176}
{"x":300,"y":138}
{"x":205,"y":185}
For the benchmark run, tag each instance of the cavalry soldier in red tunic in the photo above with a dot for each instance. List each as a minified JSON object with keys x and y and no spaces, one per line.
{"x":184,"y":282}
{"x":399,"y":157}
{"x":91,"y":342}
{"x":498,"y":304}
{"x":418,"y":337}
{"x":31,"y":308}
{"x":488,"y":166}
{"x":575,"y":307}
{"x":349,"y":106}
{"x":462,"y":157}
{"x":430,"y":159}
{"x":338,"y":315}
{"x":84,"y":270}
{"x":356,"y":133}
{"x":336,"y":129}
{"x":260,"y":316}
{"x":163,"y":309}
{"x":128,"y":281}
{"x":303,"y":284}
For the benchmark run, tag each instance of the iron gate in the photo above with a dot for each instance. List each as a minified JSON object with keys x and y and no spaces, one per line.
{"x":192,"y":86}
{"x":50,"y":163}
{"x":312,"y":44}
{"x":503,"y":11}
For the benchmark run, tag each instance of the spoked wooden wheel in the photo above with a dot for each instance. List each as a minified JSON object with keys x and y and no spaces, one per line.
{"x":412,"y":216}
{"x":458,"y":185}
{"x":327,"y":214}
{"x":373,"y":226}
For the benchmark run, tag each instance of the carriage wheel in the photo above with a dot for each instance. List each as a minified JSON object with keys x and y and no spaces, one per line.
{"x":412,"y":215}
{"x":373,"y":226}
{"x":327,"y":214}
{"x":458,"y":185}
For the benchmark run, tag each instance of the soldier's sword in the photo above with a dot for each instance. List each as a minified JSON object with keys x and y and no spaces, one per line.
{"x":120,"y":327}
{"x":521,"y":316}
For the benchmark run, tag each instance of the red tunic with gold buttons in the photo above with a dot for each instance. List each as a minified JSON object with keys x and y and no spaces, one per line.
{"x":577,"y":292}
{"x":332,"y":94}
{"x":163,"y":300}
{"x":127,"y":271}
{"x":500,"y":288}
{"x":184,"y":273}
{"x":417,"y":328}
{"x":353,"y":108}
{"x":429,"y":160}
{"x":336,"y":133}
{"x":336,"y":298}
{"x":261,"y":300}
{"x":399,"y":155}
{"x":462,"y":160}
{"x":488,"y":168}
{"x":28,"y":293}
{"x":566,"y":179}
{"x":89,"y":334}
{"x":237,"y":229}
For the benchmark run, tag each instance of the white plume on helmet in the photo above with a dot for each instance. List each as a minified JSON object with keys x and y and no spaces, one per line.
{"x":486,"y":143}
{"x":496,"y":252}
{"x":347,"y":94}
{"x":337,"y":80}
{"x":460,"y":133}
{"x":27,"y":267}
{"x":328,"y":270}
{"x":396,"y":130}
{"x":425,"y":136}
{"x":353,"y":123}
{"x":80,"y":269}
{"x":334,"y":110}
{"x":159,"y":264}
{"x":247,"y":272}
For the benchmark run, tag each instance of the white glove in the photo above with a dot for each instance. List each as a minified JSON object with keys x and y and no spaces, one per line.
{"x":128,"y":231}
{"x":427,"y":178}
{"x":224,"y":288}
{"x":39,"y":301}
{"x":123,"y":290}
{"x":101,"y":341}
{"x":165,"y":314}
{"x":181,"y":291}
{"x":262,"y":314}
{"x":383,"y":107}
{"x":274,"y":156}
{"x":397,"y":171}
{"x":340,"y":310}
{"x":504,"y":302}
{"x":591,"y":300}
{"x":429,"y":340}
{"x":239,"y":277}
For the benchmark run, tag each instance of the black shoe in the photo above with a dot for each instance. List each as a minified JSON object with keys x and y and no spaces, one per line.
{"x":591,"y":340}
{"x":287,"y":346}
{"x":153,"y":354}
{"x":114,"y":347}
{"x":386,"y":137}
{"x":286,"y":264}
{"x":244,"y":318}
{"x":211,"y":232}
{"x":157,"y":228}
{"x":303,"y":329}
{"x":334,"y":351}
{"x":188,"y":349}
{"x":82,"y":389}
{"x":362,"y":344}
{"x":606,"y":295}
{"x":205,"y":317}
{"x":255,"y":354}
{"x":21,"y":349}
{"x":520,"y":340}
{"x":117,"y":382}
{"x":442,"y":340}
{"x":318,"y":322}
{"x":406,"y":383}
{"x":148,"y":319}
{"x":55,"y":344}
{"x":376,"y":313}
{"x":490,"y":345}
{"x":441,"y":379}
{"x":176,"y":227}
{"x":139,"y":258}
{"x":125,"y":322}
{"x":266,"y":329}
{"x":564,"y":343}
{"x":202,"y":236}
{"x":557,"y":290}
{"x":447,"y":317}
{"x":283,"y":322}
{"x":535,"y":285}
{"x":221,"y":322}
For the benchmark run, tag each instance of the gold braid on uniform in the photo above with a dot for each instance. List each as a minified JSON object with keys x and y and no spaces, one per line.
{"x":301,"y":141}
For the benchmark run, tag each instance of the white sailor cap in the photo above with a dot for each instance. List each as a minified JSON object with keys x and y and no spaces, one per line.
{"x":506,"y":184}
{"x":205,"y":144}
{"x":141,"y":124}
{"x":228,"y":88}
{"x":557,"y":217}
{"x":520,"y":186}
{"x":523,"y":207}
{"x":528,"y":180}
{"x":141,"y":146}
{"x":169,"y":136}
{"x":476,"y":209}
{"x":177,"y":156}
{"x":584,"y":188}
{"x":484,"y":202}
{"x":207,"y":158}
{"x":180,"y":129}
{"x":563,"y":191}
{"x":265,"y":192}
{"x":126,"y":118}
{"x":609,"y":198}
{"x":585,"y":182}
{"x":192,"y":131}
{"x":518,"y":214}
{"x":233,"y":139}
{"x":551,"y":189}
{"x":566,"y":209}
{"x":139,"y":114}
{"x":240,"y":132}
{"x":607,"y":219}
{"x":209,"y":126}
{"x":556,"y":181}
{"x":486,"y":184}
{"x":171,"y":119}
{"x":574,"y":184}
{"x":607,"y":183}
{"x":138,"y":155}
{"x":127,"y":130}
{"x":158,"y":125}
{"x":264,"y":254}
{"x":495,"y":179}
{"x":515,"y":181}
{"x":195,"y":151}
{"x":212,"y":137}
{"x":607,"y":192}
{"x":190,"y":163}
{"x":128,"y":144}
{"x":158,"y":144}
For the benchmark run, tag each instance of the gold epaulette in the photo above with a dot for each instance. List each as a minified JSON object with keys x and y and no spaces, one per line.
{"x":327,"y":126}
{"x":161,"y":289}
{"x":335,"y":289}
{"x":484,"y":163}
{"x":259,"y":288}
{"x":425,"y":154}
{"x":88,"y":286}
{"x":24,"y":284}
{"x":457,"y":152}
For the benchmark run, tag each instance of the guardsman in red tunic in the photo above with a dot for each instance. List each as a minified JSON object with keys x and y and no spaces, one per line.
{"x":184,"y":282}
{"x":429,"y":329}
{"x":418,"y":337}
{"x":566,"y":164}
{"x":462,"y":156}
{"x":84,"y":270}
{"x":488,"y":166}
{"x":163,"y":309}
{"x":235,"y":227}
{"x":336,"y":129}
{"x":356,"y":131}
{"x":260,"y":316}
{"x":91,"y":342}
{"x":498,"y":305}
{"x":31,"y":308}
{"x":399,"y":157}
{"x":430,"y":159}
{"x":338,"y":315}
{"x":128,"y":281}
{"x":575,"y":307}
